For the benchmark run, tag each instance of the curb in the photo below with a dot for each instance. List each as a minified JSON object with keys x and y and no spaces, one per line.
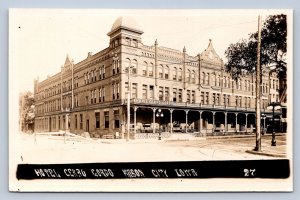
{"x":266,"y":154}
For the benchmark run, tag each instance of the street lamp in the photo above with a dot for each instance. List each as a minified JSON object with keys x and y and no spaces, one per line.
{"x":159,"y":114}
{"x":273,"y":105}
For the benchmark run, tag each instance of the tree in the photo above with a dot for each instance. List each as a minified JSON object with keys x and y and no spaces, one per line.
{"x":242,"y":56}
{"x":26,"y":101}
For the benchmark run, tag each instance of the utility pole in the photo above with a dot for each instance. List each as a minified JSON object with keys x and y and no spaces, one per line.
{"x":128,"y":105}
{"x":258,"y":83}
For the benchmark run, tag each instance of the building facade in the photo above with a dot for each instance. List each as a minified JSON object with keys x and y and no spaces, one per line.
{"x":169,"y":91}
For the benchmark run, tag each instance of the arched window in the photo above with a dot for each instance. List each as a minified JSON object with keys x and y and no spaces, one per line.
{"x":213,"y":78}
{"x":174,"y":73}
{"x":160,"y":71}
{"x":224,"y":81}
{"x":218,"y":80}
{"x":103,"y":71}
{"x":188,"y":73}
{"x":134,"y":66}
{"x":239,"y":84}
{"x":227,"y":82}
{"x":203,"y":77}
{"x":179,"y":74}
{"x":167,"y":72}
{"x":127,"y":64}
{"x":144,"y":68}
{"x":114,"y":67}
{"x":193,"y":77}
{"x":207,"y":79}
{"x":150,"y":70}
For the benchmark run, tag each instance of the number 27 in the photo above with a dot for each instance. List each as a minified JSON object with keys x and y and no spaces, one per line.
{"x":249,"y":172}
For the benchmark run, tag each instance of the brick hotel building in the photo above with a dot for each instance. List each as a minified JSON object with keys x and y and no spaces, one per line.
{"x":169,"y":89}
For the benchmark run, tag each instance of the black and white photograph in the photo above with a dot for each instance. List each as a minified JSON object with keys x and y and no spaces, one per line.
{"x":161,"y":100}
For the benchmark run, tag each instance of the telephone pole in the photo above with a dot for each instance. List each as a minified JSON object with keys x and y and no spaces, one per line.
{"x":258,"y":83}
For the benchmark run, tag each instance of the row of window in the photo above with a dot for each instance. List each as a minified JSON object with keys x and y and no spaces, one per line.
{"x":45,"y":124}
{"x":163,"y":73}
{"x":106,"y":121}
{"x":49,"y":106}
{"x":239,"y":101}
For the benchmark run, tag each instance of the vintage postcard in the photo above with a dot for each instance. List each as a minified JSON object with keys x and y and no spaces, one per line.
{"x":150,"y":100}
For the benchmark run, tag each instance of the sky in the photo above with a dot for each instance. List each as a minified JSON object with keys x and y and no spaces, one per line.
{"x":40,"y":39}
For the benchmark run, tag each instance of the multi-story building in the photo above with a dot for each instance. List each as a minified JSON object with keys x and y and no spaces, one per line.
{"x":169,"y":89}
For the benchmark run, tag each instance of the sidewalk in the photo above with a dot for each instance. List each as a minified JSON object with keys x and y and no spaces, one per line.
{"x":273,"y":151}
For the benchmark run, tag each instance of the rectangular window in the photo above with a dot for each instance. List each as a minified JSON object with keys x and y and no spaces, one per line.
{"x":100,"y":94}
{"x":228,"y":100}
{"x":118,"y":90}
{"x":151,"y":88}
{"x":114,"y":67}
{"x":160,"y":94}
{"x":167,"y":73}
{"x":106,"y":119}
{"x":114,"y":91}
{"x":180,"y":95}
{"x":92,"y":76}
{"x":100,"y":73}
{"x":207,"y":98}
{"x":103,"y":71}
{"x":58,"y":122}
{"x":81,"y":121}
{"x":188,"y":96}
{"x":75,"y":121}
{"x":167,"y":98}
{"x":117,"y":119}
{"x":134,"y":91}
{"x":103,"y":94}
{"x":64,"y":121}
{"x":202,"y":98}
{"x":144,"y":92}
{"x":249,"y":102}
{"x":174,"y":94}
{"x":97,"y":119}
{"x":193,"y":96}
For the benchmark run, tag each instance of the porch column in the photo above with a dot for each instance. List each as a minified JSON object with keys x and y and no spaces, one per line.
{"x":171,"y":120}
{"x":153,"y":109}
{"x":200,"y":124}
{"x":226,"y":125}
{"x":246,"y":121}
{"x":213,"y":129}
{"x":236,"y":114}
{"x":186,"y":120}
{"x":134,"y":118}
